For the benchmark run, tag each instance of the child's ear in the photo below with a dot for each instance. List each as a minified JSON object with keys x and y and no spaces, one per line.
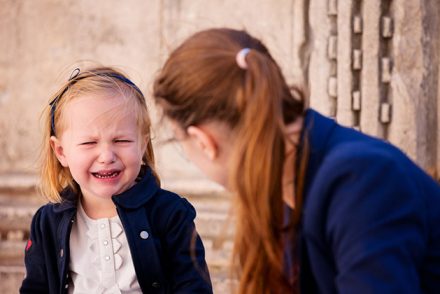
{"x":204,"y":140}
{"x":58,"y":150}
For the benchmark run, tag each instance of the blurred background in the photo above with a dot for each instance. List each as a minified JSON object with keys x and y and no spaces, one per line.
{"x":372,"y":65}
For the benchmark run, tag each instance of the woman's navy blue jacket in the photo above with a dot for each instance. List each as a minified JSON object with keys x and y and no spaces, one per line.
{"x":371,"y":217}
{"x":163,"y":261}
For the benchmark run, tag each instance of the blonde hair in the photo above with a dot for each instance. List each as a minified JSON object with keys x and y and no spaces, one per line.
{"x":200,"y":82}
{"x":54,"y":178}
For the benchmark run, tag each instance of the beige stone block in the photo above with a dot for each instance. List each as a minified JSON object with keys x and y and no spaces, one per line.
{"x":357,"y":24}
{"x":11,"y":278}
{"x":356,"y":104}
{"x":370,"y":90}
{"x":344,"y":113}
{"x":437,"y":172}
{"x":406,"y":71}
{"x":323,"y":54}
{"x":386,"y":70}
{"x":385,"y":113}
{"x":332,"y":7}
{"x":415,"y":73}
{"x":357,"y":59}
{"x":387,"y":27}
{"x":333,"y":47}
{"x":333,"y":87}
{"x":301,"y":43}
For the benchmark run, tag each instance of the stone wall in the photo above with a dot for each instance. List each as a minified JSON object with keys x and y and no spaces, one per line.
{"x":374,"y":66}
{"x":42,"y":41}
{"x":371,"y":64}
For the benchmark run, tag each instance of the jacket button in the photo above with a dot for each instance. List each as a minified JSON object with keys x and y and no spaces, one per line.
{"x":156,"y":285}
{"x":144,"y":235}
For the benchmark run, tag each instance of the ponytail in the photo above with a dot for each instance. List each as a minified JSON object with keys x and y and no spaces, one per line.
{"x":256,"y":177}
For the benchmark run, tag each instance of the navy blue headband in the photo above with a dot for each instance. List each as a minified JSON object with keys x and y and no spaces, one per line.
{"x":72,"y":80}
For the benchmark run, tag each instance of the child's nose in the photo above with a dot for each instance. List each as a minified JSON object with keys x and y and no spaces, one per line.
{"x":106,"y":155}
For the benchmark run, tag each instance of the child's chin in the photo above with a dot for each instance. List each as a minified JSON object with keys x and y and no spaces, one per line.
{"x":106,"y":195}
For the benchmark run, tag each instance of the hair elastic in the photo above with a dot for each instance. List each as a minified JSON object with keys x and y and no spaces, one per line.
{"x":240,"y":58}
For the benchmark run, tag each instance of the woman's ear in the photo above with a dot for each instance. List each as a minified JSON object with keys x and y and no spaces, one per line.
{"x":58,"y":150}
{"x":204,"y":141}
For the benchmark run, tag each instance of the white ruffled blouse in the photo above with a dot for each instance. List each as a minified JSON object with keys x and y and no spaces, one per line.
{"x":100,"y":259}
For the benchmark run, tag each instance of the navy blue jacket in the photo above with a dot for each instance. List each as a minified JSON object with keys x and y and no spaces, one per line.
{"x":162,"y":261}
{"x":371,"y":217}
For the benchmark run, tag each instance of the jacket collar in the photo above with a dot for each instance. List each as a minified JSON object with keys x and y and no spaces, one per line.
{"x":68,"y":202}
{"x":133,"y":198}
{"x":140,"y":193}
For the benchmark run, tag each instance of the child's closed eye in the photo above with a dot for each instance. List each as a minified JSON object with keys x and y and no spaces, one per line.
{"x":123,"y":141}
{"x":88,"y":143}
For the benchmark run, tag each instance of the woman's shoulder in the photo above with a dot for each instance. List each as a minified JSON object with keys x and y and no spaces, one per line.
{"x":359,"y":176}
{"x":354,"y":165}
{"x":368,"y":149}
{"x":369,"y":162}
{"x":342,"y":149}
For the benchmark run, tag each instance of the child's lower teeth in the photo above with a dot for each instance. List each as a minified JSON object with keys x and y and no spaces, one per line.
{"x":105,"y":176}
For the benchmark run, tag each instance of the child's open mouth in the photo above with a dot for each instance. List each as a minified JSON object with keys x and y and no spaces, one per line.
{"x":106,"y":174}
